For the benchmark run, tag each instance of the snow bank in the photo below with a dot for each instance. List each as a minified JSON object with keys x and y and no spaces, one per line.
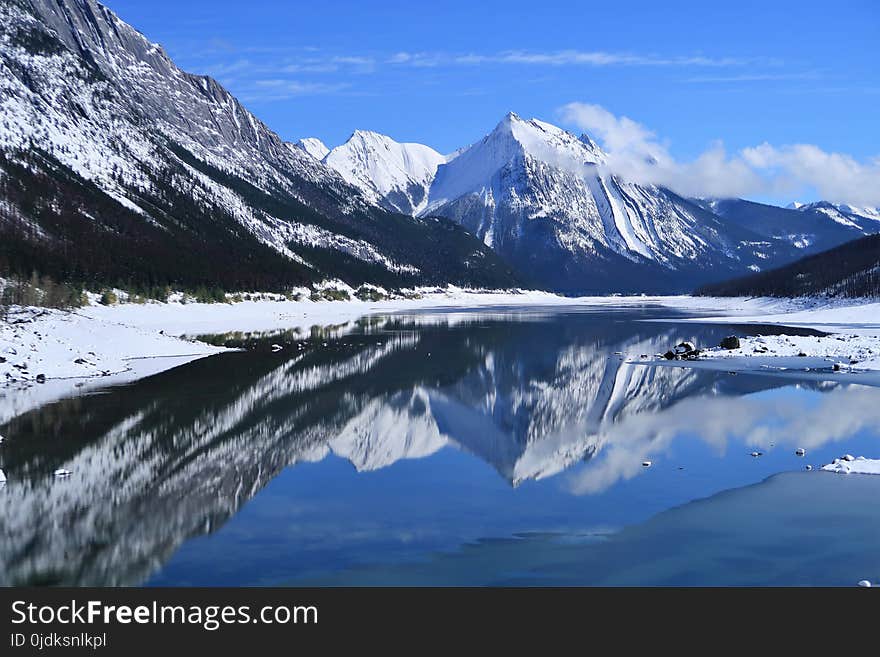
{"x":853,"y":465}
{"x":49,"y":354}
{"x":832,"y":316}
{"x":853,"y":346}
{"x":195,"y":319}
{"x":850,"y":352}
{"x":38,"y":344}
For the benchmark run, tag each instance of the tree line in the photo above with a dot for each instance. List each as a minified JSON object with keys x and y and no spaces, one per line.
{"x":851,"y":270}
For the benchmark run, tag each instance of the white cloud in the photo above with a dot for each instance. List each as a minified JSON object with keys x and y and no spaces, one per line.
{"x":635,"y":153}
{"x":559,"y":58}
{"x":756,"y":77}
{"x":275,"y":89}
{"x":835,"y":176}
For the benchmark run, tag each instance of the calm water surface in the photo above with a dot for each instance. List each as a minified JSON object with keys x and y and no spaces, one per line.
{"x":485,"y":447}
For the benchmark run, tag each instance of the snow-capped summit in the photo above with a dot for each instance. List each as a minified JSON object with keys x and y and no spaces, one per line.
{"x":544,"y":199}
{"x":794,"y":205}
{"x":513,"y":138}
{"x":313,"y":146}
{"x":395,"y":175}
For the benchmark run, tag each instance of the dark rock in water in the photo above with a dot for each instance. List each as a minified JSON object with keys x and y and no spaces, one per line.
{"x":730,"y":342}
{"x":683,"y":350}
{"x":836,"y":367}
{"x":801,"y":354}
{"x":41,"y":378}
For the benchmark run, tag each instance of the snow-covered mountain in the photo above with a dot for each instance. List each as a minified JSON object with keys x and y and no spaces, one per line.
{"x":543,"y":199}
{"x":809,"y":227}
{"x":850,"y":270}
{"x":394,"y":175}
{"x":313,"y":146}
{"x":105,"y":143}
{"x":118,"y":166}
{"x":846,"y":215}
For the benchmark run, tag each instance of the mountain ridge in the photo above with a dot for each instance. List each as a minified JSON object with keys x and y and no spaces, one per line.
{"x":176,"y":182}
{"x":850,"y":270}
{"x":394,"y":175}
{"x":546,"y":201}
{"x":117,"y":167}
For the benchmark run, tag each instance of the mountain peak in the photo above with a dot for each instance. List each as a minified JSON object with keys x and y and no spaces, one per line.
{"x":369,"y":135}
{"x":395,"y":175}
{"x":509,"y":118}
{"x":546,"y":141}
{"x":513,"y":140}
{"x":313,"y":146}
{"x":510,"y":122}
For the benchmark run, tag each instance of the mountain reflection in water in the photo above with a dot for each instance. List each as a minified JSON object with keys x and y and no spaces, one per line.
{"x":529,"y":393}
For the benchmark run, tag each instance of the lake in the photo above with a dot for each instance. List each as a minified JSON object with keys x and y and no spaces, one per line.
{"x":485,"y":447}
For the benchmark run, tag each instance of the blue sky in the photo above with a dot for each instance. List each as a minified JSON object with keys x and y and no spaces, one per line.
{"x":444,"y":73}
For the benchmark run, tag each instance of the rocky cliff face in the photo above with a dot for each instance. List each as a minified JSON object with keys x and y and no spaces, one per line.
{"x":102,"y":134}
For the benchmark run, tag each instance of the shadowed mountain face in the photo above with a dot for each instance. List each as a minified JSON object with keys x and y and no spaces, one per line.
{"x":178,"y":454}
{"x":851,"y":270}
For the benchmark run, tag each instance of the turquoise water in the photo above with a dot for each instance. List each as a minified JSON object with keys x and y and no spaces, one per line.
{"x":489,"y":447}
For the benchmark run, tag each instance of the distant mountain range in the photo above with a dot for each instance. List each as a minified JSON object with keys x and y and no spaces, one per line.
{"x":116,"y":167}
{"x":850,"y":270}
{"x":544,"y":200}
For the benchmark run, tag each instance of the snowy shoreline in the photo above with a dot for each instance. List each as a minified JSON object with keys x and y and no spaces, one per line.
{"x":849,"y":464}
{"x":46,"y":354}
{"x":101,"y":345}
{"x":852,"y":343}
